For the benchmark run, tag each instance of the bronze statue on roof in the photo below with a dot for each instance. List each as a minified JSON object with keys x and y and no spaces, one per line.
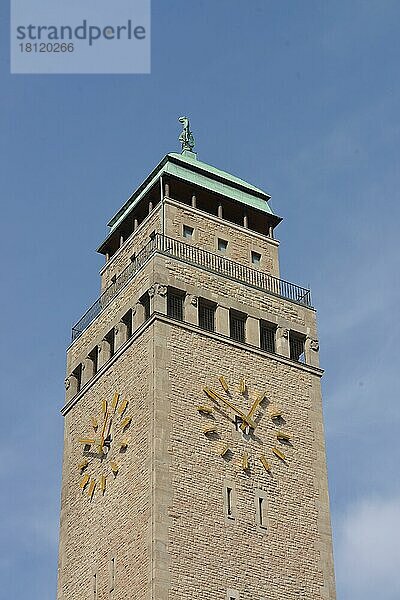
{"x":186,"y":138}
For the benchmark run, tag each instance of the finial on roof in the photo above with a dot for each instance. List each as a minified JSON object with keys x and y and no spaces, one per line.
{"x":186,"y":138}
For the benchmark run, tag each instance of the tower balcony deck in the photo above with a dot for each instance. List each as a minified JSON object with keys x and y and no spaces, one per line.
{"x":198,"y":257}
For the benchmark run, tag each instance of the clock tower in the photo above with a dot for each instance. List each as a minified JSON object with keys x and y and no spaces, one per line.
{"x":194,"y":460}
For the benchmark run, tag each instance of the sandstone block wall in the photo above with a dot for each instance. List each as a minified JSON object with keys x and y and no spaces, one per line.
{"x":139,"y":238}
{"x":163,"y":519}
{"x":207,"y":554}
{"x":117,"y":525}
{"x":207,"y":230}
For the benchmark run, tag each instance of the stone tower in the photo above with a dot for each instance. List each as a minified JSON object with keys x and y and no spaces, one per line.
{"x":194,"y":462}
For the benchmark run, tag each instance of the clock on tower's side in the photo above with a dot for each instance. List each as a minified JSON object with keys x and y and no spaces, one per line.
{"x":194,"y":462}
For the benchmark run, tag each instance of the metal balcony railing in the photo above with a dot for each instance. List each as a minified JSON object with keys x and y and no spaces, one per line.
{"x":201,"y":258}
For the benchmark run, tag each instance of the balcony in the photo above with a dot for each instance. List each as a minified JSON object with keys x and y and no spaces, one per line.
{"x":198,"y":257}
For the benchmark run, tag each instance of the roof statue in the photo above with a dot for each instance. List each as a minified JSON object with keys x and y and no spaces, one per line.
{"x":186,"y":138}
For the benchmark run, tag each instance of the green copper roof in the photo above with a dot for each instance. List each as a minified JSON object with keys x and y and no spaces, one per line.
{"x":185,"y":166}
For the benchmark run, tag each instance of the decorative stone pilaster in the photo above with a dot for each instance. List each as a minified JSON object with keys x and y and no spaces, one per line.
{"x":253,"y":331}
{"x":87,"y":370}
{"x":158,"y":298}
{"x":311,"y":350}
{"x":138,"y":315}
{"x":190,"y":308}
{"x":282,"y":341}
{"x":104,"y":352}
{"x":222,"y":320}
{"x":121,"y":334}
{"x":71,"y":387}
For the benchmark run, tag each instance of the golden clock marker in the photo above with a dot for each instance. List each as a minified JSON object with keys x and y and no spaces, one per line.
{"x":207,"y":410}
{"x":110,"y":435}
{"x":265,"y":463}
{"x":114,"y":402}
{"x":114,"y":467}
{"x":245,"y":462}
{"x":209,"y":429}
{"x":122,"y":407}
{"x":277,"y":414}
{"x":84,"y":481}
{"x":125,"y":422}
{"x":245,"y":423}
{"x":92,"y":485}
{"x":223,"y":383}
{"x":82,"y":465}
{"x":278,"y":453}
{"x":223,"y":450}
{"x":87,"y":441}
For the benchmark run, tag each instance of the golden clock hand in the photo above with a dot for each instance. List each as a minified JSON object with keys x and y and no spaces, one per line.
{"x":109,"y":428}
{"x":217,"y":398}
{"x":235,"y":409}
{"x":253,"y":409}
{"x":105,"y":425}
{"x":255,"y":404}
{"x":103,"y":432}
{"x":222,"y":381}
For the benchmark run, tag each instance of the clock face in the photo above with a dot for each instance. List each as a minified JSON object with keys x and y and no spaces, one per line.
{"x":245,"y":410}
{"x":103,"y":449}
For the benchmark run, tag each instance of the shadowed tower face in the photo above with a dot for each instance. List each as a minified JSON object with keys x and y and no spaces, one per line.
{"x":194,"y":460}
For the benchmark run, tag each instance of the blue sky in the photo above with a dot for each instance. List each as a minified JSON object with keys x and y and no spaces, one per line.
{"x":299,"y":98}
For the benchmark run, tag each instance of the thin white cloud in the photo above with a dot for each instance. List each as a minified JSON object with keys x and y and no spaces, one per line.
{"x":368,"y":550}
